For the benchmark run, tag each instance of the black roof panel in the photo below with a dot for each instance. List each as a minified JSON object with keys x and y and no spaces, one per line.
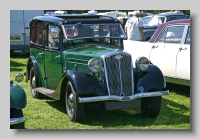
{"x":74,"y":18}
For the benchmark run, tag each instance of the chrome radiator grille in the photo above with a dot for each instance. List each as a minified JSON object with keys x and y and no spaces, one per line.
{"x":119,"y":74}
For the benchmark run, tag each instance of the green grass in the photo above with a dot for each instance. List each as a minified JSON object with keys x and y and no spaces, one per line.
{"x":46,"y":113}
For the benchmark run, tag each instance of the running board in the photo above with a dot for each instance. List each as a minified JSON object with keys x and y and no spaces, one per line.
{"x":45,"y":91}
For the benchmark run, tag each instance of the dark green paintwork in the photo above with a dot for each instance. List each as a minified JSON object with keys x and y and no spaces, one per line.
{"x":40,"y":61}
{"x":17,"y":97}
{"x":81,"y":56}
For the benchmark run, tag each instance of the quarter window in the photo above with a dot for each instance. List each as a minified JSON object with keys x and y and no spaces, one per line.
{"x":39,"y":34}
{"x":182,"y":17}
{"x":187,"y":40}
{"x":32,"y":32}
{"x":171,"y":18}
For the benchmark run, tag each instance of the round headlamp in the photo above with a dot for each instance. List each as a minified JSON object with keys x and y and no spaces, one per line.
{"x":142,"y":63}
{"x":94,"y":65}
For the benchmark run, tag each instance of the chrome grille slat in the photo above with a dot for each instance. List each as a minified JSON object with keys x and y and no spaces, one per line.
{"x":119,"y":74}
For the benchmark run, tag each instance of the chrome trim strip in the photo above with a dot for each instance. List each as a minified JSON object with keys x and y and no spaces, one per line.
{"x":77,"y":63}
{"x":120,"y":75}
{"x":14,"y":121}
{"x":132,"y":76}
{"x":77,"y":59}
{"x":106,"y":75}
{"x":120,"y":98}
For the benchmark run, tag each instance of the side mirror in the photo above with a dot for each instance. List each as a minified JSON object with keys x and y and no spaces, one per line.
{"x":72,"y":31}
{"x":19,"y":77}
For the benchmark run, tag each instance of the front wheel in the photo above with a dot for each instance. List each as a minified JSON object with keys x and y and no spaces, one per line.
{"x":150,"y":106}
{"x":75,"y":110}
{"x":15,"y":113}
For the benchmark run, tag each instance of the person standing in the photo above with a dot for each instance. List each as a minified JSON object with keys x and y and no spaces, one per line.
{"x":121,"y":19}
{"x":134,"y":28}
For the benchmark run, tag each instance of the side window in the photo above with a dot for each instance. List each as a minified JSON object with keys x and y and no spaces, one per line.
{"x":53,"y":36}
{"x":32,"y":32}
{"x":171,"y":18}
{"x":182,"y":17}
{"x":174,"y":34}
{"x":187,"y":40}
{"x":162,"y":35}
{"x":39,"y":34}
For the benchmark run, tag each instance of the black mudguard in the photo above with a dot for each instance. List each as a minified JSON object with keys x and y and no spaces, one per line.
{"x":85,"y":83}
{"x":151,"y":79}
{"x":32,"y":62}
{"x":82,"y":82}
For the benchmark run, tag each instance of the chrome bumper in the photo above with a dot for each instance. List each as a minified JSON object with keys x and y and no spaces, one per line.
{"x":120,"y":98}
{"x":14,"y":121}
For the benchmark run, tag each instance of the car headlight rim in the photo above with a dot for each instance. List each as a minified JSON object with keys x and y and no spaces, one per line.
{"x":94,"y":65}
{"x":142,"y":63}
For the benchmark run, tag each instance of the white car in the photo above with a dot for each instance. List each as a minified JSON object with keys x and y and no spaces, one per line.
{"x":169,"y":49}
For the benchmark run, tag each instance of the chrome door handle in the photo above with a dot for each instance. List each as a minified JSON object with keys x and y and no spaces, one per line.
{"x":154,"y":46}
{"x":182,"y":48}
{"x":57,"y":56}
{"x":41,"y":53}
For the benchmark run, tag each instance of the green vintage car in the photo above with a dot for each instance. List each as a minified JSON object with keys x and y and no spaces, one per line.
{"x":80,"y":57}
{"x":17,"y":103}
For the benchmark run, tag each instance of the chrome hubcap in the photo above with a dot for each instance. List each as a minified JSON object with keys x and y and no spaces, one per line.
{"x":33,"y":81}
{"x":70,"y":102}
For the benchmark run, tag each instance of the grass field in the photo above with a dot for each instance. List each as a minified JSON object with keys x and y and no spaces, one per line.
{"x":51,"y":114}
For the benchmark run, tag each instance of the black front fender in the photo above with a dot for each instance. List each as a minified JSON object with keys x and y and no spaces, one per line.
{"x":151,"y":79}
{"x":85,"y":83}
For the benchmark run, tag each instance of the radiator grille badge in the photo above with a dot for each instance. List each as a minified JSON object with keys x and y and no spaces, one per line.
{"x":118,"y":56}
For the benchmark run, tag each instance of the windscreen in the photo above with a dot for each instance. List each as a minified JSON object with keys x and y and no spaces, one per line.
{"x":80,"y":31}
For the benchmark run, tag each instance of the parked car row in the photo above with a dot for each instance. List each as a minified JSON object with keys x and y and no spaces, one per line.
{"x":161,"y":18}
{"x":169,"y":49}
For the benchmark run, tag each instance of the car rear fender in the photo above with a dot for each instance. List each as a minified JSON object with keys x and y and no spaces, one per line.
{"x":151,"y":79}
{"x":32,"y":62}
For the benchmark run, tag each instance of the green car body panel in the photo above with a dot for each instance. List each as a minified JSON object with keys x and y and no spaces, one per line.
{"x":81,"y":56}
{"x":17,"y":97}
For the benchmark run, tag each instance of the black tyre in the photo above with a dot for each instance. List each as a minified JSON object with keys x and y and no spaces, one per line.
{"x":150,"y":106}
{"x":14,"y":113}
{"x":75,"y":110}
{"x":34,"y":84}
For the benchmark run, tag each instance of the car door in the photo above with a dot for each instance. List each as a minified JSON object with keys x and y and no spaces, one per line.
{"x":165,"y":49}
{"x":183,"y":57}
{"x":53,"y":63}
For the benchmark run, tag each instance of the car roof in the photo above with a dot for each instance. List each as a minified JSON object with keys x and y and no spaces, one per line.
{"x":161,"y":26}
{"x":73,"y":18}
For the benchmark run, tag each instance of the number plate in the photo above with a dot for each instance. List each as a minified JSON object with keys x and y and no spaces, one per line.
{"x":15,"y":38}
